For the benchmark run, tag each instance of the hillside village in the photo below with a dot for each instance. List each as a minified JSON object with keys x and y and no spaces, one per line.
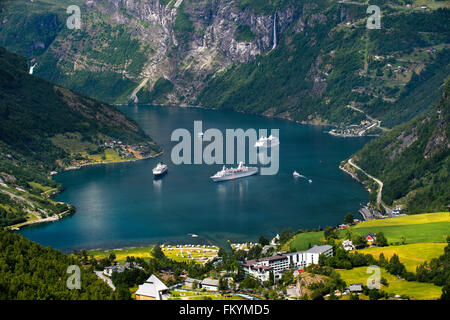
{"x":318,"y":264}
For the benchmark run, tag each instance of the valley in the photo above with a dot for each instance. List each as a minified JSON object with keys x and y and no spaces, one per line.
{"x":89,"y":104}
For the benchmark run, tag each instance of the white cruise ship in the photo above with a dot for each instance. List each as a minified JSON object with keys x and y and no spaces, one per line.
{"x":234,"y":173}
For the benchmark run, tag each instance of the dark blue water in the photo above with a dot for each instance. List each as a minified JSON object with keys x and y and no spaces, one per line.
{"x":122,"y":205}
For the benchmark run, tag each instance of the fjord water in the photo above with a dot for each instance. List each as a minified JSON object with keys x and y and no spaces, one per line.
{"x":122,"y":205}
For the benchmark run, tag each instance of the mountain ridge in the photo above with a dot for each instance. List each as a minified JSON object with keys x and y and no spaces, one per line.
{"x":47,"y":128}
{"x":221,"y":54}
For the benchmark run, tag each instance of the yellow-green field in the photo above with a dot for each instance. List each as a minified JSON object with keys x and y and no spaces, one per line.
{"x":110,"y":155}
{"x":406,"y":220}
{"x":411,"y":255}
{"x":418,"y":228}
{"x":198,"y":254}
{"x":427,"y":227}
{"x":121,"y":254}
{"x":39,"y":186}
{"x":433,"y":4}
{"x":413,"y":289}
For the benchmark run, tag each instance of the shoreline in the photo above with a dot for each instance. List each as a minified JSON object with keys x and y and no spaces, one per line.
{"x":56,"y":217}
{"x":350,"y":135}
{"x":18,"y":226}
{"x":311,"y":123}
{"x":108,"y":162}
{"x":51,"y":219}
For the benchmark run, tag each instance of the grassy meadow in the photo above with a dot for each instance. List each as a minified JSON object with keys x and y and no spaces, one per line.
{"x":411,"y":255}
{"x":413,"y":289}
{"x":121,"y":254}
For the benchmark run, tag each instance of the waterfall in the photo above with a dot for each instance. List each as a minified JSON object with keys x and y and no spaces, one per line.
{"x":274,"y":30}
{"x":32,"y":68}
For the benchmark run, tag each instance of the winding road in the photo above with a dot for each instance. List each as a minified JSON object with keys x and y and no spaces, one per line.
{"x":380,"y":183}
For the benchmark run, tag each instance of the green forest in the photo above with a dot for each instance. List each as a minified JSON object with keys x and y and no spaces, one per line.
{"x":413,"y":159}
{"x":312,"y":75}
{"x":28,"y":271}
{"x":34,"y":112}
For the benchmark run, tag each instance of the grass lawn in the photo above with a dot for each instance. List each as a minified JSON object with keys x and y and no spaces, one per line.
{"x":427,"y":227}
{"x":413,"y":233}
{"x":110,"y":156}
{"x":302,"y":240}
{"x":417,"y":290}
{"x":406,"y":220}
{"x":39,"y":186}
{"x":121,"y":254}
{"x":411,"y":255}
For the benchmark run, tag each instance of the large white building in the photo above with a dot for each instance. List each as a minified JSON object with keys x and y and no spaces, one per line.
{"x":261,"y":268}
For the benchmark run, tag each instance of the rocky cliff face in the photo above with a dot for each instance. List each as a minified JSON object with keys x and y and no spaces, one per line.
{"x":139,"y":41}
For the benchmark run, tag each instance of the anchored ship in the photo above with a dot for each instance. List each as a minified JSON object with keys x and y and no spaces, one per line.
{"x":160,"y":169}
{"x":269,"y":142}
{"x":234,"y":173}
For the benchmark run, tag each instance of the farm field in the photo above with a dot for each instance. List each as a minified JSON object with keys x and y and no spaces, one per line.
{"x":413,"y":233}
{"x":109,"y":155}
{"x":121,"y":254}
{"x":427,"y":227}
{"x":406,"y":220}
{"x":419,"y":228}
{"x":414,"y":289}
{"x":411,"y":255}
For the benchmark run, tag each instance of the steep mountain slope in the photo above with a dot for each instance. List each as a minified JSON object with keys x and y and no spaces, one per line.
{"x":329,"y":61}
{"x":413,"y":160}
{"x":126,"y":43}
{"x":298,"y":59}
{"x":46,"y":128}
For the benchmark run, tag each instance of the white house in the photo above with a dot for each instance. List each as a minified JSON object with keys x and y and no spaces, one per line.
{"x":152,"y":289}
{"x":348,"y":245}
{"x":210,"y":284}
{"x":275,"y":240}
{"x":189,"y":282}
{"x":108,"y":271}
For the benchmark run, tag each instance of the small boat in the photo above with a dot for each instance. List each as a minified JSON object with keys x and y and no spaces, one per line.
{"x":160,"y":169}
{"x":194,"y":235}
{"x":310,"y":181}
{"x":296,"y":174}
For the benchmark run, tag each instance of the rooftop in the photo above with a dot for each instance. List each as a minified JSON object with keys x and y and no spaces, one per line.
{"x":192,"y":280}
{"x":355,"y":287}
{"x":319,"y":249}
{"x":152,"y":288}
{"x":210,"y":282}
